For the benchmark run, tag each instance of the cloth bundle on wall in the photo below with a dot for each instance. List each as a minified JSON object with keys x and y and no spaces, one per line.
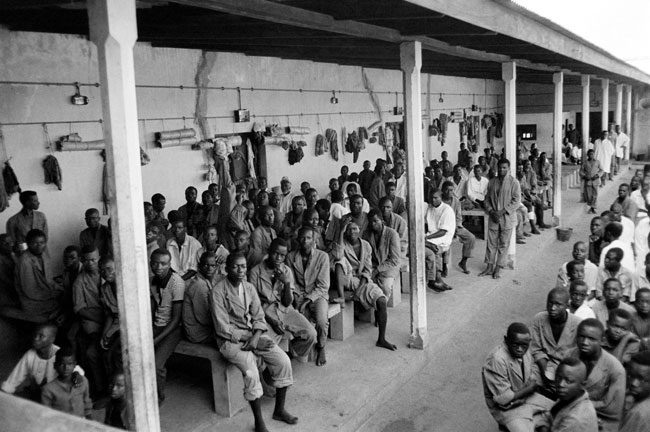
{"x":320,"y":142}
{"x":331,"y":139}
{"x":297,"y":130}
{"x":295,"y":152}
{"x":65,"y":145}
{"x":494,"y":125}
{"x":175,"y":138}
{"x":52,"y":171}
{"x":352,"y":145}
{"x":11,"y":184}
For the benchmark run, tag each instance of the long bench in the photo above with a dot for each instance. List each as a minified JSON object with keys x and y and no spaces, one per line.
{"x":227,"y":380}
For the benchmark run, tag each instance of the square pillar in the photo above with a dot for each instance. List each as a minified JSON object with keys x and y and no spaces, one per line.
{"x":604,"y":126}
{"x":628,"y":111}
{"x":410,"y":64}
{"x":618,"y":114}
{"x":585,"y":81}
{"x":113,"y":30}
{"x":509,"y":76}
{"x":558,"y":104}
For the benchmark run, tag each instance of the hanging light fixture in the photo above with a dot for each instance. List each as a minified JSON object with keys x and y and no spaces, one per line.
{"x":441,"y":100}
{"x":78,"y":98}
{"x":334,"y":100}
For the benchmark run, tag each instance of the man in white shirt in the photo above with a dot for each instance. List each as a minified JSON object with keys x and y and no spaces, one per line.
{"x":441,"y":226}
{"x":400,"y":181}
{"x":477,"y":187}
{"x":578,"y":293}
{"x":612,"y":235}
{"x":640,"y":197}
{"x":622,"y":143}
{"x":604,"y":153}
{"x":628,"y":224}
{"x":641,"y":248}
{"x":286,"y":197}
{"x":183,"y":249}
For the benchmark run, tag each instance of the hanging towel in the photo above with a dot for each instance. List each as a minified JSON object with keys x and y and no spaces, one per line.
{"x":4,"y":199}
{"x":144,"y":157}
{"x":320,"y":145}
{"x":52,"y":171}
{"x":251,"y":160}
{"x":11,"y":185}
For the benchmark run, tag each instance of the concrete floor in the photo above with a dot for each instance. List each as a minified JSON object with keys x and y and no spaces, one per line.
{"x":439,"y":389}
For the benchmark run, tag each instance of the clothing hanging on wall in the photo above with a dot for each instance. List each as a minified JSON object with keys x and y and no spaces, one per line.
{"x":332,"y":138}
{"x":11,"y":184}
{"x":52,"y":171}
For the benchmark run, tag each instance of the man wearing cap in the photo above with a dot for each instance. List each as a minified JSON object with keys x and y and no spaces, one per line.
{"x":286,"y":196}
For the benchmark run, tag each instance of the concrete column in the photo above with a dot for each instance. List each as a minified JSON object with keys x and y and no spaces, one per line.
{"x":558,"y":82}
{"x":618,"y":114}
{"x":113,"y":30}
{"x":628,"y":111}
{"x":509,"y":76}
{"x":585,"y":115}
{"x":410,"y":63}
{"x":605,"y":121}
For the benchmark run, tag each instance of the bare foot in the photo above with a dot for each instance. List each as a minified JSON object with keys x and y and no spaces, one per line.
{"x":385,"y":344}
{"x":285,"y":417}
{"x":260,"y":427}
{"x":488,"y":271}
{"x":340,"y":301}
{"x":321,"y":360}
{"x":463,"y":267}
{"x":496,"y":274}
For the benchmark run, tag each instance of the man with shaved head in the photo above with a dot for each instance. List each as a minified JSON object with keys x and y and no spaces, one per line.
{"x":573,"y":411}
{"x":510,"y":382}
{"x":637,"y":415}
{"x":553,"y":334}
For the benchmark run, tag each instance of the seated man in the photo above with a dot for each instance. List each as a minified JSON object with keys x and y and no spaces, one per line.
{"x":86,"y":301}
{"x":167,"y":289}
{"x":191,"y":213}
{"x":96,"y":234}
{"x":553,"y":332}
{"x":351,"y":190}
{"x":395,"y":222}
{"x":596,"y":240}
{"x":337,"y":209}
{"x":579,"y":253}
{"x":476,"y":189}
{"x":386,"y":252}
{"x":239,"y":324}
{"x":333,"y":185}
{"x":611,"y":235}
{"x":578,"y":293}
{"x":357,"y":215}
{"x":211,"y":244}
{"x":612,"y":268}
{"x":183,"y":248}
{"x":311,"y":270}
{"x":619,"y":340}
{"x":441,"y":226}
{"x":641,"y":317}
{"x":38,"y":294}
{"x":612,"y":299}
{"x":158,"y":202}
{"x":197,"y":322}
{"x":273,"y":280}
{"x":110,"y":337}
{"x":573,"y":411}
{"x":636,"y":417}
{"x":241,"y":245}
{"x":352,"y":260}
{"x":466,"y":238}
{"x":399,"y":204}
{"x":8,"y":294}
{"x":311,"y":198}
{"x":605,"y":375}
{"x":510,"y":381}
{"x":264,"y":234}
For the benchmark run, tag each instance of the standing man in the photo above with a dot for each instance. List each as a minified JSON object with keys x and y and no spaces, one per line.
{"x":191,"y":212}
{"x":27,"y":219}
{"x":501,"y":202}
{"x":604,"y":154}
{"x":590,"y":172}
{"x":622,"y":143}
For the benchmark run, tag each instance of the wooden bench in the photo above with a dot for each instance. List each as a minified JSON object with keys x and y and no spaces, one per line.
{"x":482,"y":214}
{"x":227,"y":380}
{"x":341,"y":321}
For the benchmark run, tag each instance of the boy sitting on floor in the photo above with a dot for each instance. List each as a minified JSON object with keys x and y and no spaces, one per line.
{"x":62,"y":393}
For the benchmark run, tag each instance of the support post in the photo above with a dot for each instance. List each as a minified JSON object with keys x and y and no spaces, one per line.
{"x":410,"y":63}
{"x":618,"y":114}
{"x":509,"y":76}
{"x":558,"y":82}
{"x":628,"y":111}
{"x":113,"y":30}
{"x":585,"y":115}
{"x":604,"y":125}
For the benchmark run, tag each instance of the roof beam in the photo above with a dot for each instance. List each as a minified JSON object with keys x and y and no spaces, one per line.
{"x":507,"y":18}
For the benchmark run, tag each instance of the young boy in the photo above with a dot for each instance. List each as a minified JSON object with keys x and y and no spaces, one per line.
{"x":641,"y":318}
{"x":573,"y":412}
{"x":636,"y":418}
{"x":579,"y":253}
{"x":619,"y":340}
{"x":116,"y":414}
{"x":61,"y":393}
{"x":211,"y":244}
{"x":578,"y":292}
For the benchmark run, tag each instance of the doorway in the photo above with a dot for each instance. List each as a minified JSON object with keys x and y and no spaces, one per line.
{"x":595,"y":119}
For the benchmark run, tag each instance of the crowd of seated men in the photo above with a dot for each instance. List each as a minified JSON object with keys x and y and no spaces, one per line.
{"x":583,"y":364}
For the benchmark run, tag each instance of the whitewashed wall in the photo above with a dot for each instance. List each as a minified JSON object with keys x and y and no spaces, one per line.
{"x":60,"y":58}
